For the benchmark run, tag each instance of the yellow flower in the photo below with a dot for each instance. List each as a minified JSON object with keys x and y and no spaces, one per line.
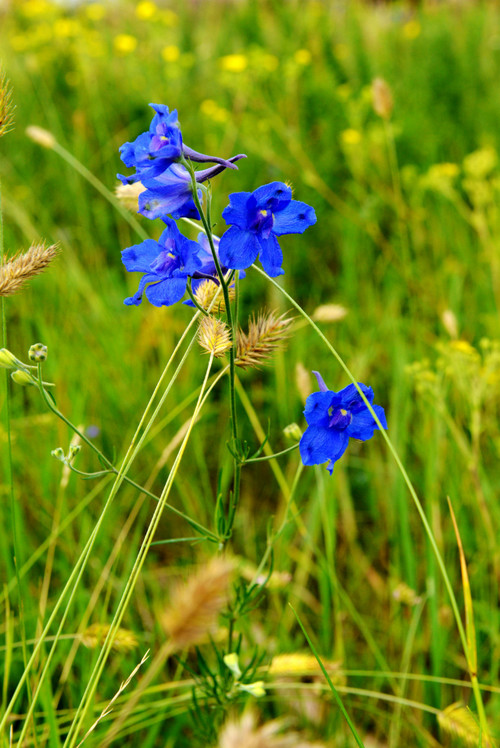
{"x":124,"y":43}
{"x":36,"y":8}
{"x":95,"y":11}
{"x":65,"y":27}
{"x":412,"y":29}
{"x":170,"y":53}
{"x":234,"y":63}
{"x":145,"y":10}
{"x":351,"y":137}
{"x":302,"y":57}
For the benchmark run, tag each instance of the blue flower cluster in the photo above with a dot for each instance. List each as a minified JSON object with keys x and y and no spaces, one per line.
{"x":256,"y":219}
{"x":335,"y":417}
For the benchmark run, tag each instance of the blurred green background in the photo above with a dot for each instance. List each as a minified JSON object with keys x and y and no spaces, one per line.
{"x":407,"y":241}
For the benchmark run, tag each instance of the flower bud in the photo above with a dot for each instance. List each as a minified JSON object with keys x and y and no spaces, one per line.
{"x":293,"y":432}
{"x":23,"y":378}
{"x":231,"y":661}
{"x":58,"y":453}
{"x":8,"y":360}
{"x":38,"y":353}
{"x":382,"y":98}
{"x":73,"y":451}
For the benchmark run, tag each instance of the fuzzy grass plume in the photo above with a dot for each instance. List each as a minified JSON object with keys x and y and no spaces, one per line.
{"x":6,"y":106}
{"x":458,"y":722}
{"x":195,"y":606}
{"x":265,"y":335}
{"x":95,"y":636}
{"x":21,"y":267}
{"x":214,"y":336}
{"x":205,"y":294}
{"x":244,"y":733}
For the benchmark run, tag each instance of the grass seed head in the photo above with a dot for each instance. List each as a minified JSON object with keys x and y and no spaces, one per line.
{"x":266,"y":334}
{"x":41,"y":136}
{"x":23,"y":266}
{"x":6,"y":106}
{"x":205,"y":294}
{"x":214,"y":336}
{"x":195,"y":606}
{"x":382,"y":98}
{"x":458,"y":722}
{"x":95,"y":635}
{"x":244,"y":733}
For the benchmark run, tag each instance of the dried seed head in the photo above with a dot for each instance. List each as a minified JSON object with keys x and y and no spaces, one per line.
{"x":329,"y":313}
{"x":458,"y":721}
{"x":128,"y":195}
{"x":265,"y":336}
{"x":214,"y":336}
{"x":195,"y":606}
{"x":41,"y":136}
{"x":205,"y":294}
{"x":382,"y":98}
{"x":20,"y":268}
{"x":6,"y":106}
{"x":95,"y":635}
{"x":244,"y":733}
{"x":450,"y":323}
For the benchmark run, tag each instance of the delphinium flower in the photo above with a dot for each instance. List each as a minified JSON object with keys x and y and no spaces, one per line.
{"x":167,"y":264}
{"x":333,"y":418}
{"x":208,"y":270}
{"x":256,"y":219}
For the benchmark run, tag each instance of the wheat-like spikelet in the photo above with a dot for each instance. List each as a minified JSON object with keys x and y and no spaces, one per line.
{"x":95,"y":635}
{"x":214,"y":336}
{"x":244,"y":733}
{"x":195,"y":606}
{"x":128,"y":195}
{"x":6,"y":106}
{"x":458,"y":721}
{"x":266,"y":333}
{"x":23,"y":266}
{"x":205,"y":294}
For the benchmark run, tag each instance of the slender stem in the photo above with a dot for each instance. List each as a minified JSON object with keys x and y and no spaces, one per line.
{"x":271,"y":457}
{"x":403,"y":472}
{"x":193,"y":299}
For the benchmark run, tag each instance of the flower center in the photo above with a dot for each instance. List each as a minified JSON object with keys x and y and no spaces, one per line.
{"x":262,"y":222}
{"x":340,"y":419}
{"x":165,"y":263}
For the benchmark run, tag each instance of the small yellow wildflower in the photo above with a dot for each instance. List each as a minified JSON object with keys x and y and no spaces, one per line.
{"x":302,"y":57}
{"x":479,"y":164}
{"x":124,"y":43}
{"x":351,"y":137}
{"x":145,"y":10}
{"x":295,"y":662}
{"x":170,"y":53}
{"x":33,"y":8}
{"x":446,"y":169}
{"x":234,"y":63}
{"x":95,"y":11}
{"x":66,"y":27}
{"x":412,"y":29}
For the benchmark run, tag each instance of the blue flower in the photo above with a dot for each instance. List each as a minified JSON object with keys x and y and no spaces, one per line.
{"x":154,"y":151}
{"x":256,"y":219}
{"x":170,"y":192}
{"x":208,"y":271}
{"x":334,"y":417}
{"x":166,"y":265}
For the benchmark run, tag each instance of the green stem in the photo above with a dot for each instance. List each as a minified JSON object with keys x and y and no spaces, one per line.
{"x":271,"y":457}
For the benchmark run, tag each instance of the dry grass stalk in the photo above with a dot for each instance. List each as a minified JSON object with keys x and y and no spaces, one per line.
{"x":128,"y":195}
{"x":458,"y":721}
{"x":265,"y":336}
{"x":23,"y":266}
{"x":195,"y":606}
{"x":6,"y":106}
{"x":95,"y":635}
{"x":214,"y":336}
{"x":41,"y":136}
{"x":244,"y":733}
{"x":205,"y":294}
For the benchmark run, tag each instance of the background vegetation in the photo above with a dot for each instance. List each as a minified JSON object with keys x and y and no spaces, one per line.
{"x":407,"y":241}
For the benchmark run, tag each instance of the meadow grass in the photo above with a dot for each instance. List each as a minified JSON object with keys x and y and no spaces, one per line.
{"x":406,"y":241}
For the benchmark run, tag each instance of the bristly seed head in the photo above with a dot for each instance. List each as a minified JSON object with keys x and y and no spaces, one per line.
{"x":265,"y":336}
{"x":205,"y":294}
{"x":6,"y":106}
{"x":195,"y":607}
{"x":214,"y":336}
{"x":23,"y":266}
{"x":95,"y":635}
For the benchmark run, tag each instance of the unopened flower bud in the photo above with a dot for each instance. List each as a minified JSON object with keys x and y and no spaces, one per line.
{"x":38,"y":353}
{"x":255,"y":689}
{"x":8,"y":360}
{"x":231,"y":661}
{"x":73,"y":451}
{"x":41,"y":136}
{"x":293,"y":432}
{"x":23,"y":378}
{"x":382,"y":98}
{"x":58,"y":453}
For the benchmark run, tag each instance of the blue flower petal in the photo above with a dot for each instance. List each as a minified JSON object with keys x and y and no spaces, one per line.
{"x":238,"y":249}
{"x":236,"y":213}
{"x":136,"y":299}
{"x":317,"y":405}
{"x":321,"y":384}
{"x":363,"y":424}
{"x":274,"y":196}
{"x":271,"y":256}
{"x":319,"y":444}
{"x":166,"y":292}
{"x":295,"y":218}
{"x":350,"y":398}
{"x":139,"y":257}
